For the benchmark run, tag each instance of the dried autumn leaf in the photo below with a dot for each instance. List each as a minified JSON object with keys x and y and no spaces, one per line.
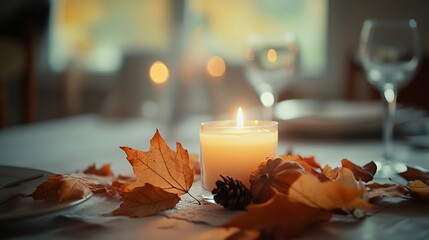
{"x":64,"y":188}
{"x":413,"y":174}
{"x":161,"y":166}
{"x":377,"y":191}
{"x":306,"y":162}
{"x":48,"y":189}
{"x":418,"y":189}
{"x":343,"y":193}
{"x":104,"y":170}
{"x":145,"y":201}
{"x":116,"y":187}
{"x":279,"y":218}
{"x":365,"y":173}
{"x":273,"y":175}
{"x":330,"y":173}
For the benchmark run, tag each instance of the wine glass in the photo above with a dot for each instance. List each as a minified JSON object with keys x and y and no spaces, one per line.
{"x":390,"y":53}
{"x":271,"y":66}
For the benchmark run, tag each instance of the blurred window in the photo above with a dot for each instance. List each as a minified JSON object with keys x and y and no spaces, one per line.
{"x":99,"y":32}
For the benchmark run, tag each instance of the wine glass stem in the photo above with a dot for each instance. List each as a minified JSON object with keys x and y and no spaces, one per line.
{"x":389,"y":96}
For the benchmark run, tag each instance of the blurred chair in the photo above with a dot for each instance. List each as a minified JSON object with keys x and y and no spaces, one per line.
{"x":414,"y":93}
{"x":20,"y":22}
{"x":11,"y":65}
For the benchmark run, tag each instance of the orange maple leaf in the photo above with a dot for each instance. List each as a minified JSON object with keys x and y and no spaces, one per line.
{"x":64,"y":188}
{"x":145,"y":201}
{"x":161,"y":166}
{"x":329,"y":195}
{"x":279,"y":218}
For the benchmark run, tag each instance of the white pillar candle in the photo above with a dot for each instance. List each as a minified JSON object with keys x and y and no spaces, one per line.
{"x":235,"y":149}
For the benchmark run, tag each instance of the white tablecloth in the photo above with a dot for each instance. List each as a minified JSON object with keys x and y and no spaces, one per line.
{"x":70,"y":144}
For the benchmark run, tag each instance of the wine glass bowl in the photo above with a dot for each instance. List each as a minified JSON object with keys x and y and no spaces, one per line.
{"x":271,"y":65}
{"x":390,"y":53}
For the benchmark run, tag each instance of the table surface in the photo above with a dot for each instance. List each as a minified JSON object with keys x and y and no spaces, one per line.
{"x":70,"y":144}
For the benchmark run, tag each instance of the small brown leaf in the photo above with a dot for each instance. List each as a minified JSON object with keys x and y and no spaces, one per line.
{"x":145,"y":201}
{"x":365,"y":173}
{"x":279,"y":218}
{"x":330,"y":173}
{"x":377,"y":191}
{"x":74,"y":188}
{"x":413,"y":174}
{"x":104,"y":170}
{"x":309,"y":163}
{"x":161,"y":166}
{"x":48,"y":189}
{"x":64,"y":188}
{"x":419,"y":190}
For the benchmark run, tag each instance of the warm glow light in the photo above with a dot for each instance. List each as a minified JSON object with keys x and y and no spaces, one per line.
{"x":240,"y":118}
{"x":158,"y":72}
{"x":216,"y":66}
{"x":272,"y":55}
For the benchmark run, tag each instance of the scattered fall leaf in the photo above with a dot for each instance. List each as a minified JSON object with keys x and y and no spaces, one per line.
{"x":104,"y":170}
{"x":116,"y":187}
{"x":145,"y":201}
{"x":161,"y":166}
{"x":329,"y":172}
{"x":413,"y":174}
{"x":64,"y":188}
{"x":377,"y":191}
{"x":365,"y":173}
{"x":329,"y":195}
{"x":306,"y":162}
{"x":419,"y":190}
{"x":273,"y":175}
{"x":48,"y":189}
{"x":279,"y":218}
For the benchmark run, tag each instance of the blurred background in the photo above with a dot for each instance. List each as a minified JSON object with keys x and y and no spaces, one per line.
{"x":167,"y":59}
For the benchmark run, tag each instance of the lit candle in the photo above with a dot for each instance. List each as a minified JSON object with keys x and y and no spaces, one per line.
{"x":234,"y":148}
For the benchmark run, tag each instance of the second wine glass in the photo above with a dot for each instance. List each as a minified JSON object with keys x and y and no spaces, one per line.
{"x":390,"y":53}
{"x":271,"y":66}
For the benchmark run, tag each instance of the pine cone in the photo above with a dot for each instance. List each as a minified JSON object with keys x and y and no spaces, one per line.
{"x":231,"y":194}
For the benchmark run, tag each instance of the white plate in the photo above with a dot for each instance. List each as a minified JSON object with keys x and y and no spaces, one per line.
{"x":20,"y":208}
{"x":328,"y":117}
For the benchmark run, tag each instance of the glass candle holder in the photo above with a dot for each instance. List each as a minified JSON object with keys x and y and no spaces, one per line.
{"x":234,"y":151}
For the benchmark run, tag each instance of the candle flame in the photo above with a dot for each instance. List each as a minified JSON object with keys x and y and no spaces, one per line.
{"x":240,"y":118}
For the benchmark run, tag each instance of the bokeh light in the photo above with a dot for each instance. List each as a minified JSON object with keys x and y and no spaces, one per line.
{"x":159,"y":72}
{"x":216,"y":66}
{"x":272,"y":55}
